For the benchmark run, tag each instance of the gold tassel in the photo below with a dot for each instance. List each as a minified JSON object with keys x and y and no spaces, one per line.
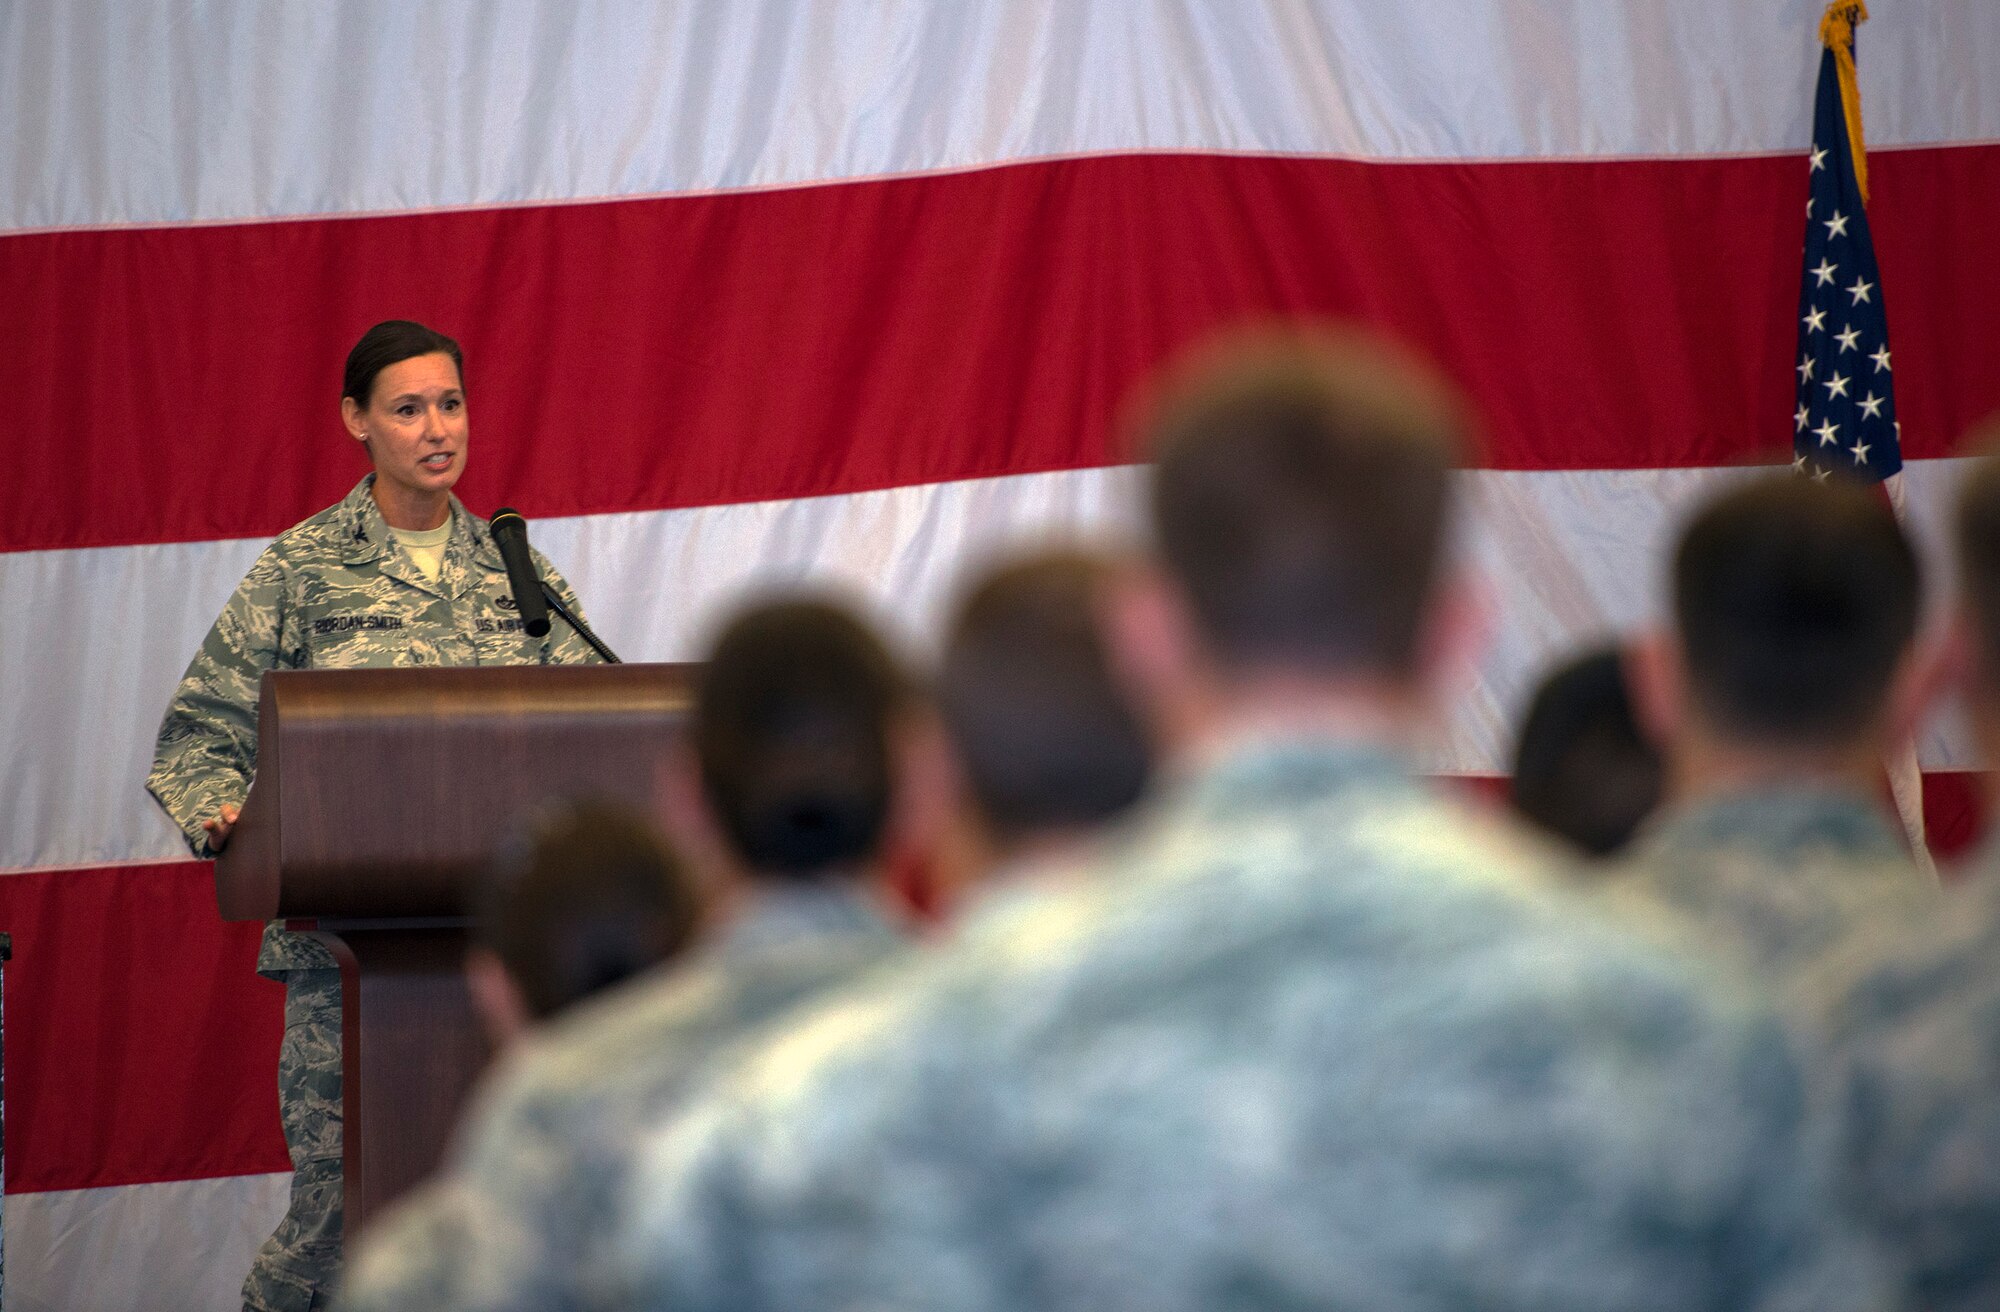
{"x":1836,"y":33}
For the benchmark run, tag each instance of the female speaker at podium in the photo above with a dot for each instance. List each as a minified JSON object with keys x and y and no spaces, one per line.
{"x":398,"y":573}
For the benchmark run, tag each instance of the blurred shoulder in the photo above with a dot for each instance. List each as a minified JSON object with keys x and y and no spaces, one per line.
{"x":1905,"y":978}
{"x":618,"y":1034}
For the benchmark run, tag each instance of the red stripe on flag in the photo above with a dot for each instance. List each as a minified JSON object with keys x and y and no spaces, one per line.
{"x":1956,"y":812}
{"x":140,"y":1043}
{"x":181,"y":384}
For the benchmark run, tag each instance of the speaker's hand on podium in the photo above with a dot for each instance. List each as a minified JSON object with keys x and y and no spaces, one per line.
{"x":218,"y":828}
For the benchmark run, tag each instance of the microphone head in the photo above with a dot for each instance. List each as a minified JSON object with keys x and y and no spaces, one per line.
{"x":510,"y":535}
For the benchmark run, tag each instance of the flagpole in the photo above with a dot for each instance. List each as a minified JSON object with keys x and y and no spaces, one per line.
{"x":1836,"y":33}
{"x":1906,"y":775}
{"x":1836,"y":229}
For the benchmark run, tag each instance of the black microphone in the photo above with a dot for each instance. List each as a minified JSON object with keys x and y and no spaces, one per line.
{"x":510,"y":534}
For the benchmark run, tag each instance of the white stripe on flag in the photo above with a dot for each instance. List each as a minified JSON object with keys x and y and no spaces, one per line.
{"x":123,"y":113}
{"x":98,"y":638}
{"x":181,"y":1246}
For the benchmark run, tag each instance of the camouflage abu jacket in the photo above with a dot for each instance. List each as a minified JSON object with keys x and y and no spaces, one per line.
{"x":1773,"y":878}
{"x":335,"y":592}
{"x":1310,"y":1035}
{"x":1911,"y":1007}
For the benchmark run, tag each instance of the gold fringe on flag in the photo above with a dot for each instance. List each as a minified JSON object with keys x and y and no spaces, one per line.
{"x":1836,"y":33}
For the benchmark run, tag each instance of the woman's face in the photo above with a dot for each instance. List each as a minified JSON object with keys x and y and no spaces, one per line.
{"x":414,"y":425}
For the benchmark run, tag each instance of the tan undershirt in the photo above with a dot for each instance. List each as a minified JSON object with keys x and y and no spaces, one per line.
{"x":426,"y":546}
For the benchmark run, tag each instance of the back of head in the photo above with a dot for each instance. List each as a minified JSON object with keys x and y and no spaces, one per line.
{"x":1047,"y":742}
{"x":1300,"y":495}
{"x":1979,"y":560}
{"x":585,"y":897}
{"x":1582,"y":769}
{"x":1796,"y":601}
{"x":792,"y":726}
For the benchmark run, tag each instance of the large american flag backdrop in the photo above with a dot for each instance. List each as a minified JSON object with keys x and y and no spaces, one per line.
{"x":759,"y":292}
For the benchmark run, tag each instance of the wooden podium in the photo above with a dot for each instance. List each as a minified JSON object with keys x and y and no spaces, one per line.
{"x":379,"y":794}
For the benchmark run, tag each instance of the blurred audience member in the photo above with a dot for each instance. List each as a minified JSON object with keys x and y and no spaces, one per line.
{"x":1313,"y":1035}
{"x":1791,"y":670}
{"x":586,"y":897}
{"x":1915,"y":1012}
{"x":1047,"y":746}
{"x":797,"y":732}
{"x":1582,"y":769}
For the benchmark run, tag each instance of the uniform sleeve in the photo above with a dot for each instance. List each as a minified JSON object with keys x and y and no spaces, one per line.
{"x":565,"y":645}
{"x":207,"y":749}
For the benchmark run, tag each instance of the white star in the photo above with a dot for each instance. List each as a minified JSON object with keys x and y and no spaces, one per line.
{"x":1805,"y":368}
{"x":1798,"y":464}
{"x":1837,"y":225}
{"x":1871,"y":405}
{"x":1827,"y":268}
{"x":1881,"y":359}
{"x":1860,"y":450}
{"x":1848,"y":338}
{"x":1801,"y":416}
{"x":1859,"y":291}
{"x":1835,"y":386}
{"x":1818,"y":160}
{"x":1827,"y":431}
{"x":1815,"y":321}
{"x":1819,"y":476}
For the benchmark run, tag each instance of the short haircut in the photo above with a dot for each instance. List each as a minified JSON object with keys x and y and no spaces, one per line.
{"x":585,"y":896}
{"x":1979,"y":556}
{"x":1300,"y":493}
{"x":1045,"y":737}
{"x":1582,"y":769}
{"x":792,"y":724}
{"x":391,"y":342}
{"x":1796,"y":600}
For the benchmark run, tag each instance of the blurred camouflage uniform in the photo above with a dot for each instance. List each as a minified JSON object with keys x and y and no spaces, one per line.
{"x":1774,"y":879}
{"x":1913,"y":1012}
{"x":334,"y":592}
{"x":1311,"y":1037}
{"x":520,"y":1218}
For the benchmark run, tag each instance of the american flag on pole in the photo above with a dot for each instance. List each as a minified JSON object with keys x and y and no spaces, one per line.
{"x":1846,"y":418}
{"x":1845,"y":423}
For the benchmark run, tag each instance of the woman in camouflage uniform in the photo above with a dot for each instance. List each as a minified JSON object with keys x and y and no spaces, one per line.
{"x":397,"y":574}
